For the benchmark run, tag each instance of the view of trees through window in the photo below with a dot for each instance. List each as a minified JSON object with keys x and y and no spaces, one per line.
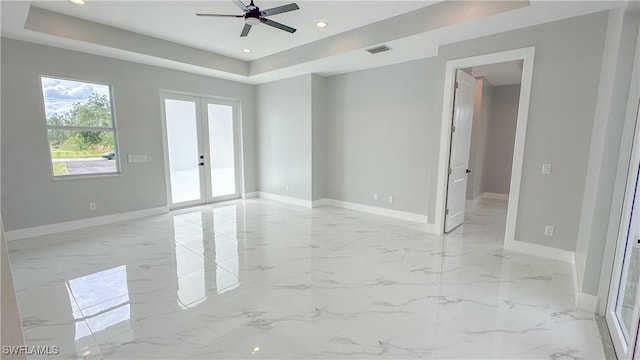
{"x":80,"y":127}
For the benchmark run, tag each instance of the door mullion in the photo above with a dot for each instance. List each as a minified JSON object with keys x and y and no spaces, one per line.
{"x":201,"y":152}
{"x":206,"y":149}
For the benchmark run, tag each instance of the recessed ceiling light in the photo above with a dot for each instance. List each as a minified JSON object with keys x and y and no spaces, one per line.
{"x":321,"y":24}
{"x":77,"y":2}
{"x":246,"y":51}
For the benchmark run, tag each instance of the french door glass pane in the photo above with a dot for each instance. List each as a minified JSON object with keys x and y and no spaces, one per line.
{"x":221,"y":147}
{"x":182,"y":137}
{"x":628,"y":290}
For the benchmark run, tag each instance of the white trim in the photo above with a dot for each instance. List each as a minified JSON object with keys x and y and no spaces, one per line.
{"x":474,"y":203}
{"x":586,"y":302}
{"x":285,"y":199}
{"x":80,"y":224}
{"x":319,"y":203}
{"x":583,"y":301}
{"x":250,"y":195}
{"x":540,"y":250}
{"x":526,"y":54}
{"x":495,"y":196}
{"x":397,"y":214}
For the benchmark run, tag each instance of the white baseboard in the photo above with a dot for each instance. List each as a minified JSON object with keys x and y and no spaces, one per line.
{"x":285,"y":199}
{"x":539,"y":250}
{"x":250,"y":195}
{"x":586,"y":302}
{"x":583,"y":301}
{"x":494,"y":196}
{"x":319,"y":203}
{"x":84,"y":223}
{"x":472,"y":204}
{"x":397,"y":214}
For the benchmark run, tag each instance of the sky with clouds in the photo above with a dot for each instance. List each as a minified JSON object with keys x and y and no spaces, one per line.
{"x":60,"y":95}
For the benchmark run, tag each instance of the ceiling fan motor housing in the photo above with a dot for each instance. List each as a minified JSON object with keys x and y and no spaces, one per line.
{"x":252,"y":17}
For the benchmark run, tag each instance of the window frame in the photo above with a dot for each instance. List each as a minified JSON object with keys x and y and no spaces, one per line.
{"x":113,"y":128}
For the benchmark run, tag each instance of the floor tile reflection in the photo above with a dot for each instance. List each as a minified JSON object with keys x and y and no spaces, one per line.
{"x":260,"y":279}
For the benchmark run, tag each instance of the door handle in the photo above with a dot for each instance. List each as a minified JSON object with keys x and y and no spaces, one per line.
{"x":201,"y":164}
{"x":468,"y":171}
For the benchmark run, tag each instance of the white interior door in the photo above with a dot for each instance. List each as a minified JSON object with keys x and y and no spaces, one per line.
{"x":623,"y":305}
{"x":460,"y":147}
{"x":201,"y":148}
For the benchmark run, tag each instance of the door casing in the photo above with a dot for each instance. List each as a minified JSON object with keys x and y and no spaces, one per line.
{"x":525,"y":54}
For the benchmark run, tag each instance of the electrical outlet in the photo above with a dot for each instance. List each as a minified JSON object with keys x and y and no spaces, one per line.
{"x":548,"y":230}
{"x":92,"y":206}
{"x":287,"y":188}
{"x":375,"y":196}
{"x":390,"y":199}
{"x":546,"y":169}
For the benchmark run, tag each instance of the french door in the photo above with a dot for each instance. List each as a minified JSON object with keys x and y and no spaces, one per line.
{"x":623,"y":305}
{"x":201,"y":149}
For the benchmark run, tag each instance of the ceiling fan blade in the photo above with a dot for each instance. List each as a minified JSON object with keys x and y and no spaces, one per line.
{"x":241,"y":5}
{"x":245,"y":30}
{"x":221,"y":15}
{"x":280,"y":9}
{"x":277,"y":25}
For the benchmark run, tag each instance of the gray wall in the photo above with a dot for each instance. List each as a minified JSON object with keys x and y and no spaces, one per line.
{"x":601,"y":208}
{"x":11,"y":328}
{"x":319,"y":123}
{"x":384,"y":127}
{"x":284,"y":137}
{"x":481,"y":116}
{"x":31,"y":196}
{"x":380,"y":134}
{"x":501,"y":137}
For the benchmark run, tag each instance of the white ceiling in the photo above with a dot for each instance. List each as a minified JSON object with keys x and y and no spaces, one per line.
{"x":176,"y":21}
{"x":506,"y":73}
{"x":168,"y":34}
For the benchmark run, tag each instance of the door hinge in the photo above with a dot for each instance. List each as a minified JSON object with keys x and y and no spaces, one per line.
{"x":450,"y":171}
{"x":456,"y":85}
{"x":446,"y":212}
{"x":453,"y":128}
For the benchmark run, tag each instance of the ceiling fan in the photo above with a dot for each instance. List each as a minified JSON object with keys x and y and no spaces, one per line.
{"x":254,"y":16}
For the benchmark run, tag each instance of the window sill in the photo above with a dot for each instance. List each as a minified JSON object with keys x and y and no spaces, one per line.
{"x":85,"y":177}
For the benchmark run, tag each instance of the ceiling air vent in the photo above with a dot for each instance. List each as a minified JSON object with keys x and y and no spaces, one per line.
{"x":378,"y":49}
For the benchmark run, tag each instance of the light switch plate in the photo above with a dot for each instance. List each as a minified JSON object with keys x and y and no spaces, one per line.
{"x":546,"y":169}
{"x":139,"y":158}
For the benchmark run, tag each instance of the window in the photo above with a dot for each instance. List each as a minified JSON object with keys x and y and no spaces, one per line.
{"x":80,"y":127}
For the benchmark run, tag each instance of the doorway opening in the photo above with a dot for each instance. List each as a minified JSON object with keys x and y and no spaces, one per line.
{"x":455,"y":142}
{"x":201,"y":149}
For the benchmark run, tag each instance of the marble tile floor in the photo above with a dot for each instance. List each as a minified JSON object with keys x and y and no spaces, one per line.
{"x":261,"y":279}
